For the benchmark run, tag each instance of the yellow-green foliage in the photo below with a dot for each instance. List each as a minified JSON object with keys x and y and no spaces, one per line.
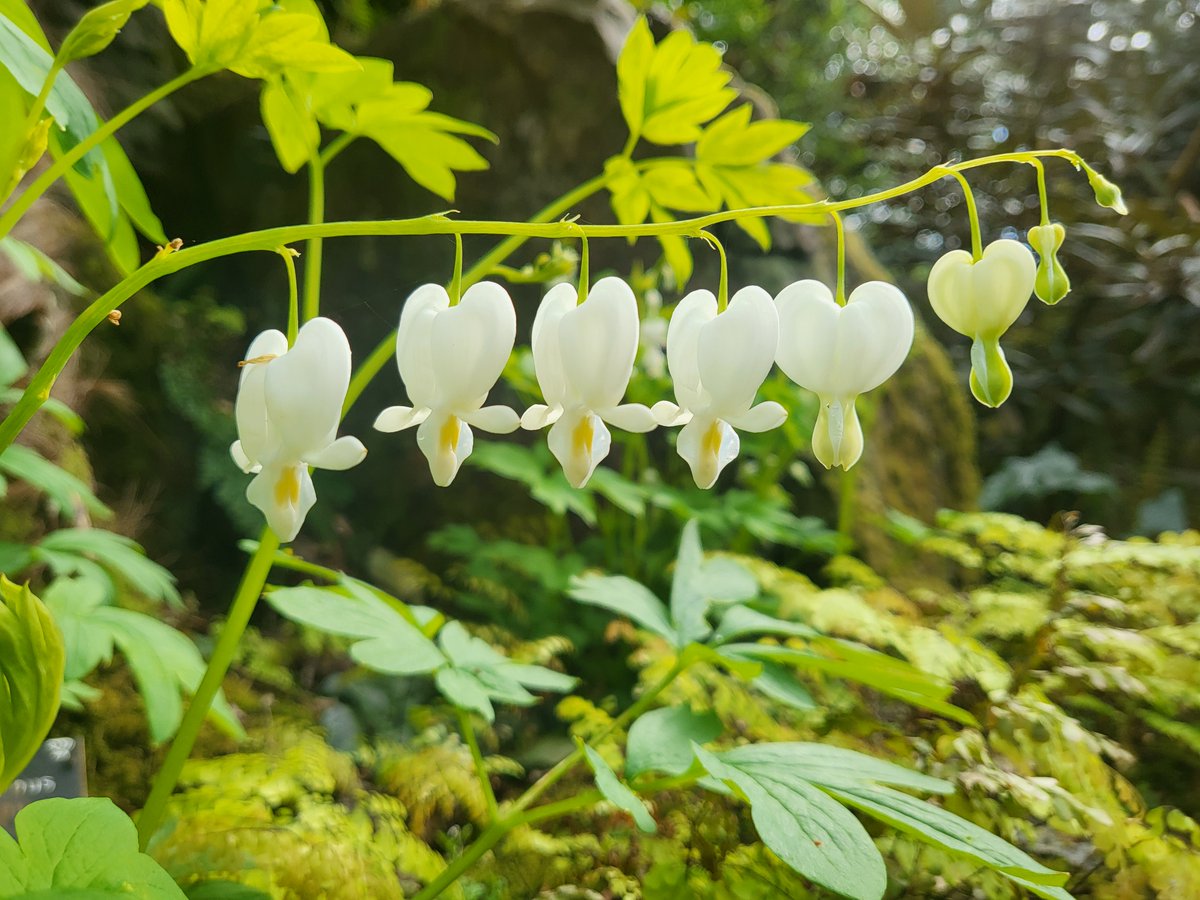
{"x":294,"y":821}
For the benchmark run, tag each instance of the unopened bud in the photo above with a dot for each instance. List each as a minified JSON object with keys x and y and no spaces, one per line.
{"x":1051,"y":284}
{"x":1107,"y":194}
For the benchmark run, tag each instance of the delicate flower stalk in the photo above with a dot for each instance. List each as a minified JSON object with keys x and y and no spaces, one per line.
{"x":1051,"y":283}
{"x":981,"y":299}
{"x":450,"y":358}
{"x":839,"y":352}
{"x":289,"y":404}
{"x":718,"y":361}
{"x":583,"y":357}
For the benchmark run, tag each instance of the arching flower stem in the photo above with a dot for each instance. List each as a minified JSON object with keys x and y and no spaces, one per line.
{"x":839,"y":294}
{"x":1041,"y":183}
{"x":972,"y":213}
{"x":455,"y":289}
{"x":584,"y":268}
{"x":289,"y":262}
{"x":723,"y":283}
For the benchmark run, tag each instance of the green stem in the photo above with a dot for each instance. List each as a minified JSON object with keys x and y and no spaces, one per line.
{"x":39,"y":102}
{"x":455,"y":290}
{"x":244,"y":601}
{"x":840,"y":294}
{"x":289,"y":262}
{"x":485,"y":782}
{"x":1041,"y":183}
{"x":972,"y":213}
{"x":584,"y":270}
{"x":335,"y":147}
{"x":723,"y":281}
{"x":312,"y":257}
{"x":32,"y":120}
{"x":43,"y":182}
{"x":38,"y":390}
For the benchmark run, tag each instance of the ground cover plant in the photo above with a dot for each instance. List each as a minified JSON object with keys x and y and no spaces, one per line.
{"x":788,"y":724}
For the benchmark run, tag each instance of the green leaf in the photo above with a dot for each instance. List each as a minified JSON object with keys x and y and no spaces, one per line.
{"x":63,"y":490}
{"x":619,"y":794}
{"x":536,"y":469}
{"x":294,"y":132}
{"x":12,"y":361}
{"x":131,"y":195}
{"x":828,"y":766}
{"x":465,"y":691}
{"x":780,"y":684}
{"x":387,"y":642}
{"x":684,"y":87}
{"x":37,"y":267}
{"x":501,"y":678}
{"x":733,"y":140}
{"x":661,"y":740}
{"x":427,"y":153}
{"x":936,"y":826}
{"x":31,"y":673}
{"x":625,"y":597}
{"x":627,"y":496}
{"x":283,"y":41}
{"x":688,"y":604}
{"x":97,"y":200}
{"x":120,"y":555}
{"x":633,"y":69}
{"x":72,"y":601}
{"x":807,"y":829}
{"x":84,"y":848}
{"x":97,"y":29}
{"x":740,"y":621}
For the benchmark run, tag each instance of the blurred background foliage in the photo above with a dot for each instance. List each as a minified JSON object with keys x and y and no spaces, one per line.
{"x":1075,"y":656}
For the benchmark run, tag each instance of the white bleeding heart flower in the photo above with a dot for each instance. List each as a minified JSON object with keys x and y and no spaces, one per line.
{"x":981,"y":298}
{"x":450,"y":357}
{"x":839,"y":352}
{"x":289,"y":404}
{"x":718,"y":361}
{"x":583,"y":356}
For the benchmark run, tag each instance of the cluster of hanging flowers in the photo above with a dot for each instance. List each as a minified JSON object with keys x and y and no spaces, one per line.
{"x":450,"y":356}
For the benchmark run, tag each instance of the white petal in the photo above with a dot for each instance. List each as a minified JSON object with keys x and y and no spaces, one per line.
{"x":668,"y":414}
{"x":837,"y":437}
{"x":737,"y":350}
{"x":579,"y":441}
{"x":539,"y":416}
{"x":284,"y":495}
{"x":763,"y":417}
{"x":598,"y":341}
{"x":471,"y":343}
{"x":634,"y":417}
{"x":305,"y":389}
{"x":547,"y":354}
{"x":268,"y":343}
{"x":397,"y":418}
{"x":241,"y":460}
{"x":250,"y":415}
{"x":808,"y":318}
{"x":446,"y":441}
{"x":344,"y":453}
{"x":880,"y":314}
{"x":414,"y":350}
{"x":496,"y":419}
{"x":691,"y":314}
{"x":982,"y":299}
{"x":708,"y":445}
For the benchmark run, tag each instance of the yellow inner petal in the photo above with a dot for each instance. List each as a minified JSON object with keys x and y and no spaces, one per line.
{"x":448,"y":436}
{"x":583,"y":435}
{"x":711,"y":445}
{"x":287,"y":488}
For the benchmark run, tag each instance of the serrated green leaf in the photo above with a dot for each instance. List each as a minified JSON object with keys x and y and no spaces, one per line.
{"x":934,"y":825}
{"x":465,"y":691}
{"x":633,"y":68}
{"x":625,"y":597}
{"x":661,"y":740}
{"x":62,"y":489}
{"x":685,"y":87}
{"x":97,"y":29}
{"x":733,"y":140}
{"x":289,"y":41}
{"x":387,"y":641}
{"x":674,"y":186}
{"x":120,"y":555}
{"x":294,"y":132}
{"x":618,"y":793}
{"x":83,"y":848}
{"x":807,"y":829}
{"x":31,"y":672}
{"x":430,"y":156}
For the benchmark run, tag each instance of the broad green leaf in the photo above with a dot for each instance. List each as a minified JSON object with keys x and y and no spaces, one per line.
{"x":37,"y":267}
{"x":740,"y":621}
{"x":744,"y":668}
{"x":97,"y":29}
{"x":633,"y":68}
{"x":733,"y":140}
{"x":285,"y":41}
{"x":684,"y":87}
{"x":387,"y":642}
{"x":618,"y":793}
{"x":828,"y":766}
{"x":688,"y":601}
{"x":62,"y":489}
{"x":213,"y":33}
{"x":780,"y":684}
{"x":120,"y":555}
{"x":72,"y":601}
{"x":935,"y":825}
{"x":503,"y":679}
{"x":294,"y":132}
{"x":807,"y":829}
{"x":131,"y":195}
{"x":465,"y":691}
{"x":19,"y":13}
{"x":97,"y":200}
{"x":625,"y":597}
{"x":427,"y":153}
{"x":467,"y":651}
{"x":661,"y":740}
{"x":335,"y":97}
{"x":31,"y":673}
{"x":673,"y":185}
{"x":84,"y":848}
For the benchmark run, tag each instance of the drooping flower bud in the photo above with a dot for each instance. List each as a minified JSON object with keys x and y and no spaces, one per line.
{"x":1108,"y":194}
{"x":1051,"y":283}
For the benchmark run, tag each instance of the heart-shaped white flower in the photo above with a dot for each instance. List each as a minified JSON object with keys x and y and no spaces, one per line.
{"x":583,"y":356}
{"x":718,"y":361}
{"x":450,"y":357}
{"x":289,"y":404}
{"x":839,"y":352}
{"x":981,"y":299}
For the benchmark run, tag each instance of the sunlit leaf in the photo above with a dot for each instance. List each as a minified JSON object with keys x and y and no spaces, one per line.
{"x":618,"y":793}
{"x":97,"y":29}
